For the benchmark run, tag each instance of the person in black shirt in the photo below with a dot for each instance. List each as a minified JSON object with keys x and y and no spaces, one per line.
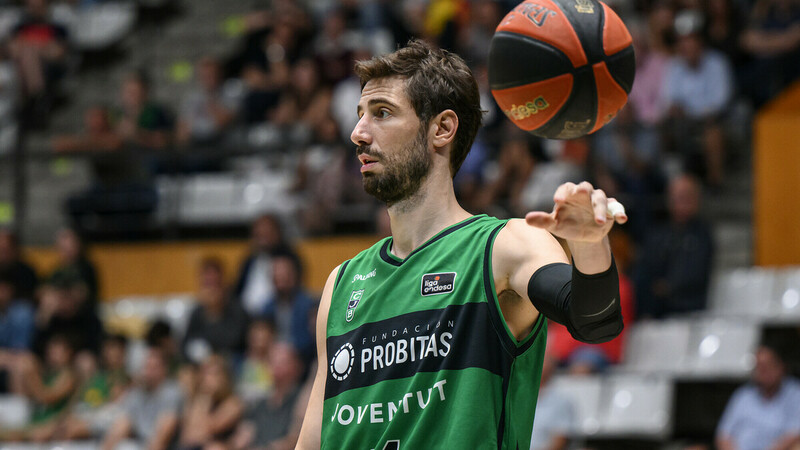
{"x":11,"y":263}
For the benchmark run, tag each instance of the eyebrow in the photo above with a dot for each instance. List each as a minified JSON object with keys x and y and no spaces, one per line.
{"x":375,"y":101}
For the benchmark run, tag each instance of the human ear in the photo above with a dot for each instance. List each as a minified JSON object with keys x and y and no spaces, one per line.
{"x":443,"y":128}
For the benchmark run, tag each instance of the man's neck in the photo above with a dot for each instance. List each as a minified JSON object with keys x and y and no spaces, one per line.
{"x":415,"y":220}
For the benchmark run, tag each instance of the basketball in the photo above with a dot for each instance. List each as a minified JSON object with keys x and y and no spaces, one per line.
{"x":561,"y":69}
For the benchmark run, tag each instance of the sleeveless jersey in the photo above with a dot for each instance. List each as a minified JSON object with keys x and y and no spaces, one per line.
{"x":419,"y":355}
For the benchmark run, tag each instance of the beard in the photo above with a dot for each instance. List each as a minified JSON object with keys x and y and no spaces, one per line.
{"x":403,"y":171}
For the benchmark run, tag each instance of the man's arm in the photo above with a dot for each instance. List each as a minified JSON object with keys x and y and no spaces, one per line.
{"x":166,"y":426}
{"x":117,"y":433}
{"x":529,"y":261}
{"x":311,"y":432}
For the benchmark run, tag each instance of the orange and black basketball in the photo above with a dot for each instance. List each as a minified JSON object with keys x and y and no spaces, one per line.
{"x":561,"y":69}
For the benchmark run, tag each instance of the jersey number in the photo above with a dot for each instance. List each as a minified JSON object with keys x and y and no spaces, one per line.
{"x":392,"y":445}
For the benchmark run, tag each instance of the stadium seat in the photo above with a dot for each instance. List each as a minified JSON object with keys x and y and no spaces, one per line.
{"x":9,"y":17}
{"x":14,"y":411}
{"x":722,"y":347}
{"x":99,"y":26}
{"x":786,"y":304}
{"x":744,"y":292}
{"x":637,"y":406}
{"x":231,"y":198}
{"x":134,"y":360}
{"x":657,"y":347}
{"x":585,"y":392}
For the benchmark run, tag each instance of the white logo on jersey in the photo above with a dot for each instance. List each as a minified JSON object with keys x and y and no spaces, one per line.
{"x":342,"y":362}
{"x":385,"y":412}
{"x":359,"y":277}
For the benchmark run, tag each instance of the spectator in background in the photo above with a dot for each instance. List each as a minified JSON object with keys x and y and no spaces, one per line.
{"x":291,"y":304}
{"x":772,"y":38}
{"x":763,"y":413}
{"x":255,"y":375}
{"x":555,"y":413}
{"x":97,"y":136}
{"x":142,"y":122}
{"x":160,"y":336}
{"x":581,"y":358}
{"x":211,"y":415}
{"x":208,"y":110}
{"x":11,"y":263}
{"x":217,"y":324}
{"x":567,"y":164}
{"x":267,"y":424}
{"x":724,"y":27}
{"x":652,"y":47}
{"x":97,"y":403}
{"x":515,"y":162}
{"x":74,"y":267}
{"x":49,"y":387}
{"x":39,"y":47}
{"x":698,"y":86}
{"x":675,"y":265}
{"x":254,"y":284}
{"x":329,"y":176}
{"x":150,"y":410}
{"x":16,"y":328}
{"x":62,"y":311}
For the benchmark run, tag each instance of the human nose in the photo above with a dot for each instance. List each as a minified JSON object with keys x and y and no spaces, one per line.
{"x":360,"y":136}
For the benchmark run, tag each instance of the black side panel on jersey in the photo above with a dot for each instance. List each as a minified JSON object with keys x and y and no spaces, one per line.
{"x":517,"y":60}
{"x":622,"y":66}
{"x":342,"y":268}
{"x":587,"y":22}
{"x":578,"y":115}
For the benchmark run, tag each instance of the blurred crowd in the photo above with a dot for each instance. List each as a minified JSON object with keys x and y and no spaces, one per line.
{"x":237,"y":376}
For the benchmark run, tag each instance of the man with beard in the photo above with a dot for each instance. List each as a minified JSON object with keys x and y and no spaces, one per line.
{"x":434,"y":336}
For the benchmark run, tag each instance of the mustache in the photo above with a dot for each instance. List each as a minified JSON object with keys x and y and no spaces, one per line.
{"x":367,"y":150}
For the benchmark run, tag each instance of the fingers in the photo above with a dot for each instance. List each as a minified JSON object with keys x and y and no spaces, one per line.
{"x":617,"y":211}
{"x":599,"y":206}
{"x":569,"y":191}
{"x":563,"y":192}
{"x":540,"y":219}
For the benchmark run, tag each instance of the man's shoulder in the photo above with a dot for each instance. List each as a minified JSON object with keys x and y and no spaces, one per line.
{"x":793,"y":388}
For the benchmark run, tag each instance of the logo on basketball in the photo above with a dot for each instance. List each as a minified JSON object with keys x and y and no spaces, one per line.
{"x":537,"y":14}
{"x":584,"y":6}
{"x":355,"y":299}
{"x":528,"y":109}
{"x":342,"y":362}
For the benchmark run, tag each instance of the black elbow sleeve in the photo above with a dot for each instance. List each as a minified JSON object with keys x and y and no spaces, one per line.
{"x":588,"y":305}
{"x":595,"y":311}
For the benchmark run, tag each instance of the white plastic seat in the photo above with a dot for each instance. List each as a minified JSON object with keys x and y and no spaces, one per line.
{"x":207,"y":199}
{"x":15,"y":411}
{"x":744,"y":292}
{"x":786,"y":304}
{"x":585,"y":392}
{"x":722,"y":347}
{"x":100,"y":26}
{"x":134,"y":359}
{"x":637,"y":406}
{"x":657,"y":346}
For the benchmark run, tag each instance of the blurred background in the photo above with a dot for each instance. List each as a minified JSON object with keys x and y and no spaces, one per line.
{"x":177,"y":181}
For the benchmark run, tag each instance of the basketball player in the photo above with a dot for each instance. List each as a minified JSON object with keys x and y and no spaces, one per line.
{"x":434,"y":336}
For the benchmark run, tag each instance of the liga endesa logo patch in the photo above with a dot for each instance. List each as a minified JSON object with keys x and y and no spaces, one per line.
{"x":438,"y":283}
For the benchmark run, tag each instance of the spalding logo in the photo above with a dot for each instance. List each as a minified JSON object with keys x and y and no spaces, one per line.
{"x":584,"y":6}
{"x":528,"y":109}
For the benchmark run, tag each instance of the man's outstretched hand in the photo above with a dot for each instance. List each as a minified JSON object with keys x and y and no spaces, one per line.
{"x":581,"y":214}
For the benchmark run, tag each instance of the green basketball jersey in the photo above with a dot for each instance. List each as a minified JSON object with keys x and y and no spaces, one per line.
{"x":419,"y":355}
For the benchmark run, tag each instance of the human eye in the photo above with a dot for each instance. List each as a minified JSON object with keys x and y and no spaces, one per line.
{"x":382,"y":113}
